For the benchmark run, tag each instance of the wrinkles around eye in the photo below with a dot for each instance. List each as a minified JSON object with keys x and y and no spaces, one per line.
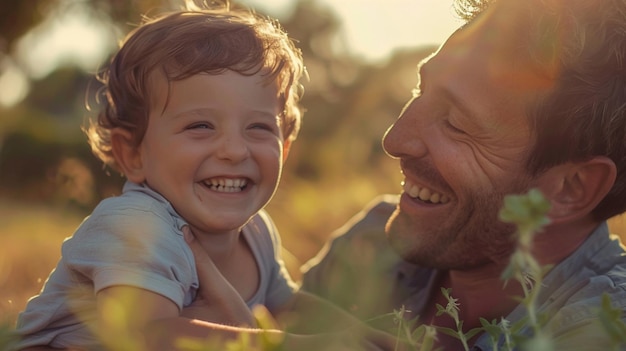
{"x":490,"y":158}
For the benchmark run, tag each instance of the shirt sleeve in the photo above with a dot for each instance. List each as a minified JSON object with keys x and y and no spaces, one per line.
{"x":132,"y":247}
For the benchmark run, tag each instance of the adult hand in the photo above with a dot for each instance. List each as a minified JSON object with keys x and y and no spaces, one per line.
{"x":369,"y":338}
{"x":346,"y":340}
{"x":217,"y":301}
{"x":46,"y":348}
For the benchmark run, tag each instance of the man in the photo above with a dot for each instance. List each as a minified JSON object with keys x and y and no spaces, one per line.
{"x":529,"y":94}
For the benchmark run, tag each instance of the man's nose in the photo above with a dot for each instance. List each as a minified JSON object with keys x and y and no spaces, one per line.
{"x":403,"y":138}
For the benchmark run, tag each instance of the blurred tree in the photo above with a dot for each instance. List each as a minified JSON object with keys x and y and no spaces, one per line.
{"x":17,"y":18}
{"x":336,"y":165}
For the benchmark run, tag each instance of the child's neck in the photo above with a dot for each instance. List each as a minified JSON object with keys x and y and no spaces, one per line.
{"x":219,"y":246}
{"x":234,"y":259}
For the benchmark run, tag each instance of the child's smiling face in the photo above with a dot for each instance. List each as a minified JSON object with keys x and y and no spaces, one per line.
{"x":213,"y":147}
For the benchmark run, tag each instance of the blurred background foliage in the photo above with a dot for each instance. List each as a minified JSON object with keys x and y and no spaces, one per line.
{"x":49,"y":180}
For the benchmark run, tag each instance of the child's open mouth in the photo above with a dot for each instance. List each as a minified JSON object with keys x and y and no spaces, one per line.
{"x":226,"y":185}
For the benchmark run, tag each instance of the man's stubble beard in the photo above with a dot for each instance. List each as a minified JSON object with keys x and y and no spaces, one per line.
{"x":476,"y":239}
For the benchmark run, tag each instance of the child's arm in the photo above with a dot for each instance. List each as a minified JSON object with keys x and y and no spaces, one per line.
{"x":136,"y":319}
{"x":151,"y":322}
{"x":345,"y":332}
{"x":307,"y":313}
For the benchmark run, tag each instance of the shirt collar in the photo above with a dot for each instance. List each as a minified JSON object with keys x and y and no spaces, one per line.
{"x":145,"y":189}
{"x":564,"y":279}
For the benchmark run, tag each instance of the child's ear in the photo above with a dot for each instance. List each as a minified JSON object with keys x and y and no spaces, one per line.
{"x":286,"y":148}
{"x":127,"y":155}
{"x":575,"y":189}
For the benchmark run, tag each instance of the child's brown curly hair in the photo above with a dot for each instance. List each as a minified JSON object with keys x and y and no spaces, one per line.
{"x":184,"y":43}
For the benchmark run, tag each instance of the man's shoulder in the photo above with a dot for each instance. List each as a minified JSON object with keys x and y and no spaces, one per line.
{"x":585,"y":300}
{"x":597,"y":272}
{"x":370,"y":222}
{"x":357,"y":260}
{"x":382,"y":205}
{"x":360,"y":242}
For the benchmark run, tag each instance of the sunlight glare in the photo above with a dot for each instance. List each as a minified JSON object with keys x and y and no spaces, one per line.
{"x":373,"y":29}
{"x":376,"y":28}
{"x":13,"y":84}
{"x":73,"y":38}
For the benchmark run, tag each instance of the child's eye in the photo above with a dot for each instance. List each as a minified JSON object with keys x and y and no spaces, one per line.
{"x":264,"y":126}
{"x":200,"y":125}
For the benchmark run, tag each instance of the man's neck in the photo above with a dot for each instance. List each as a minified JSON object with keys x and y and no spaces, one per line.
{"x":557,"y":242}
{"x":479,"y":293}
{"x":483,"y":294}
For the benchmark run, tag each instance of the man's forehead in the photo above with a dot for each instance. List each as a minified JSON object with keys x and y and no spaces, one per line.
{"x":506,"y":45}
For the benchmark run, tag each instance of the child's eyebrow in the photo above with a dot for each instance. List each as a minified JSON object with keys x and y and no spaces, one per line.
{"x":207,"y":111}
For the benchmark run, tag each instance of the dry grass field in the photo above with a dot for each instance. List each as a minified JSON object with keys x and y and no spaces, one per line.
{"x":31,"y":238}
{"x":32,"y":235}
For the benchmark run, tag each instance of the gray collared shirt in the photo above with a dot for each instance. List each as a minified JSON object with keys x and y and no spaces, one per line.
{"x":135,"y":240}
{"x":359,"y":272}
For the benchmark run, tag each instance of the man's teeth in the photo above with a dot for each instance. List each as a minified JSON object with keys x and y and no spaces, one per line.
{"x":227,"y":185}
{"x":424,"y":193}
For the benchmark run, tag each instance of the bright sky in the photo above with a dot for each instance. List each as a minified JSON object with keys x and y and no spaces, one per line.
{"x":373,"y":29}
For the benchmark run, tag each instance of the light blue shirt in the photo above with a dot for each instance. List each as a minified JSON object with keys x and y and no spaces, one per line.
{"x":135,"y":239}
{"x":360,"y":272}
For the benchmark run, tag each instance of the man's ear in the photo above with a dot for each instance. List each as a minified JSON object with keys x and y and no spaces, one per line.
{"x":575,"y":189}
{"x":127,"y":155}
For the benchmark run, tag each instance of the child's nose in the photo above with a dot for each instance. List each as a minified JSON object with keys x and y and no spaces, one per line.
{"x":233,"y":147}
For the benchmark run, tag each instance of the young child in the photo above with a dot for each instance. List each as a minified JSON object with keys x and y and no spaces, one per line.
{"x":201,"y":108}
